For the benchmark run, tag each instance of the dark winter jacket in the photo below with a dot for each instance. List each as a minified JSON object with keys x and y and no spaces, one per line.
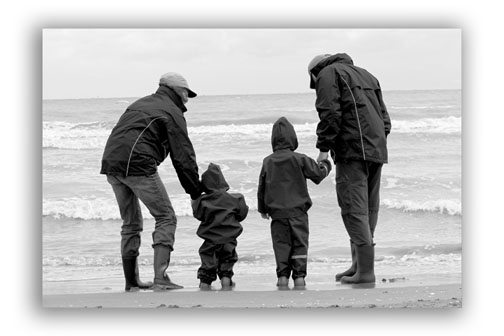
{"x":149,"y":130}
{"x":354,"y":122}
{"x":282,"y":191}
{"x":220,"y":212}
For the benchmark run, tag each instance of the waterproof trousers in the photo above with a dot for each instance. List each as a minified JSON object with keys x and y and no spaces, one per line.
{"x":358,"y":190}
{"x":217,"y":259}
{"x":150,"y":191}
{"x":290,"y":244}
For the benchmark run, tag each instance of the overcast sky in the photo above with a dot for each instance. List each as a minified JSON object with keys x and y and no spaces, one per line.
{"x":84,"y":63}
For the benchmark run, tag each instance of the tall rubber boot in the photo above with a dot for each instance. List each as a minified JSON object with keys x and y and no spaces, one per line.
{"x":365,"y":266}
{"x":162,"y":281}
{"x":132,"y":277}
{"x":353,"y":268}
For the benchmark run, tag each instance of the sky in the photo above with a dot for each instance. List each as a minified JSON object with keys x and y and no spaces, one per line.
{"x":89,"y":63}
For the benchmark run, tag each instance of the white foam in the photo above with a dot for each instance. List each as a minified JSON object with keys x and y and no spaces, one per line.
{"x":421,"y":107}
{"x":94,"y":135}
{"x":428,"y":125}
{"x":106,"y":208}
{"x":103,"y":208}
{"x":74,"y":136}
{"x":444,"y":206}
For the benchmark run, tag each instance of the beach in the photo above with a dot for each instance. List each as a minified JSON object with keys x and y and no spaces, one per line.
{"x":414,"y":296}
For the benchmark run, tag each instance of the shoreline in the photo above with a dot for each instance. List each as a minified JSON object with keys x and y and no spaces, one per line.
{"x":389,"y":295}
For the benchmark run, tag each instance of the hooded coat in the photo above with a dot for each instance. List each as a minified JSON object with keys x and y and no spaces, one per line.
{"x":354,"y":122}
{"x":149,"y":130}
{"x":282,"y":190}
{"x":220,"y":212}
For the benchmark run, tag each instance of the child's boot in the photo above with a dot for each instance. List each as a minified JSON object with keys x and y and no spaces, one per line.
{"x":204,"y":286}
{"x":283,"y":282}
{"x":227,"y":283}
{"x":299,"y":283}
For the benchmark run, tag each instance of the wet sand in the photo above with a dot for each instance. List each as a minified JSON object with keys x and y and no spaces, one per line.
{"x":390,"y":296}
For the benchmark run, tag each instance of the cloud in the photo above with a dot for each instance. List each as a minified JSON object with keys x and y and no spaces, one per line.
{"x":127,"y":62}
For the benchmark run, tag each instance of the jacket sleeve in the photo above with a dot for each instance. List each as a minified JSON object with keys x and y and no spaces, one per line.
{"x":261,"y":206}
{"x":314,"y":171}
{"x":328,"y":108}
{"x":385,"y":116}
{"x":197,"y":209}
{"x":183,"y":157}
{"x":242,"y":209}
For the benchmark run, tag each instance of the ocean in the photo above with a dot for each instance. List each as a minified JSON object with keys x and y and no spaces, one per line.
{"x":419,"y":232}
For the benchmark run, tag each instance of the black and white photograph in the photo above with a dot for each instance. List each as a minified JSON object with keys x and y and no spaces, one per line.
{"x":252,"y":168}
{"x":266,"y":167}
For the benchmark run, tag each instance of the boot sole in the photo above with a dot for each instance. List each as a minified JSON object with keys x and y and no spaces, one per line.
{"x":357,"y":281}
{"x":162,"y":288}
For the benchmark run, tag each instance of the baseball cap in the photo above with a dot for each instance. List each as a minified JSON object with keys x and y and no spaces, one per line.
{"x":313,"y":63}
{"x":173,"y":79}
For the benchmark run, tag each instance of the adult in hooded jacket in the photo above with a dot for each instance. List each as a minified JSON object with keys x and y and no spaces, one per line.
{"x":283,"y":195}
{"x":220,"y":213}
{"x":151,"y":129}
{"x":354,"y":125}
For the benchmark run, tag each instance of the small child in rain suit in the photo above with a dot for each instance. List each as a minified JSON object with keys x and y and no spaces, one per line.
{"x":220,"y":214}
{"x":283,"y":195}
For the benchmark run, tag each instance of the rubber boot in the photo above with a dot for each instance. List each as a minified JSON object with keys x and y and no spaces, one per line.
{"x":227,"y":283}
{"x":132,"y":277}
{"x":283,"y":281}
{"x":162,"y":281}
{"x":365,"y":266}
{"x":205,"y":286}
{"x":299,"y":283}
{"x":353,"y":268}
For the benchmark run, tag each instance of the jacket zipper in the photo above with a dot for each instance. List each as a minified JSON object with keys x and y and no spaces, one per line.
{"x":358,"y":120}
{"x":138,"y":138}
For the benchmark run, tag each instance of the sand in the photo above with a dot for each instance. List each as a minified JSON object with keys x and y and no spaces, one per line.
{"x":381,"y":296}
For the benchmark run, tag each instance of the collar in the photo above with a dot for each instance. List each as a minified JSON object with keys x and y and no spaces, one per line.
{"x":167,"y":91}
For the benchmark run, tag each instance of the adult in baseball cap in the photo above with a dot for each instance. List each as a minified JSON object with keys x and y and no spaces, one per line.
{"x":151,"y":129}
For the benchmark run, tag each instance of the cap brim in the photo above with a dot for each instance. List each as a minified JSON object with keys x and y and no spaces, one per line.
{"x":191,"y":94}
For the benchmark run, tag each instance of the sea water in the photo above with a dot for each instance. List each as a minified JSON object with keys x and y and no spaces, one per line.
{"x":419,"y":233}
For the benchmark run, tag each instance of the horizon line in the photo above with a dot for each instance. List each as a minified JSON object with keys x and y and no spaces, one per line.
{"x":242,"y":94}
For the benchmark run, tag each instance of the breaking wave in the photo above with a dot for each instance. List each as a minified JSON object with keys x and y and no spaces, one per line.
{"x":451,"y":207}
{"x":94,"y":135}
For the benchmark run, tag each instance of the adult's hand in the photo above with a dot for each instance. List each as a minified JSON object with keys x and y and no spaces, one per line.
{"x":322,"y":156}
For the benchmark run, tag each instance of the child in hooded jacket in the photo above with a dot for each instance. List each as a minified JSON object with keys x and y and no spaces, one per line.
{"x":283,"y":195}
{"x":220,"y":214}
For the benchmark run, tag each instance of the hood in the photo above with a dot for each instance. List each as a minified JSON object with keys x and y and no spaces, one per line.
{"x":342,"y":58}
{"x":283,"y":135}
{"x":213,"y":180}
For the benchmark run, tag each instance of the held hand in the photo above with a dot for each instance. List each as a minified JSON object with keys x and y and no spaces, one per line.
{"x":265,"y":216}
{"x":322,"y":156}
{"x":193,"y":203}
{"x":323,"y":166}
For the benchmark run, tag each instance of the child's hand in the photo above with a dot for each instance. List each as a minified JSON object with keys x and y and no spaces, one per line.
{"x":265,"y":216}
{"x":322,"y":156}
